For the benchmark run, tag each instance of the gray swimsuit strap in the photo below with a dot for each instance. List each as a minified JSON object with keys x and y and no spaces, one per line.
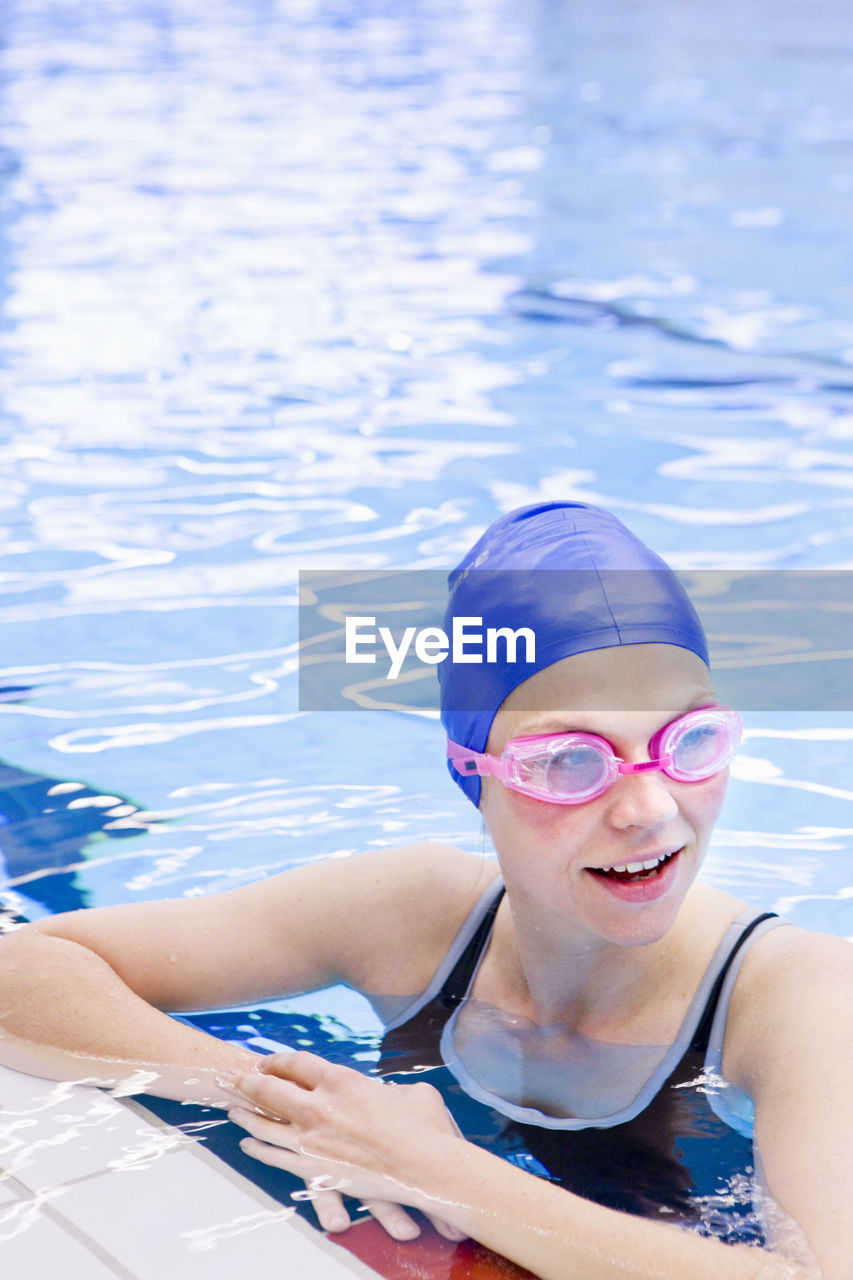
{"x":478,"y":925}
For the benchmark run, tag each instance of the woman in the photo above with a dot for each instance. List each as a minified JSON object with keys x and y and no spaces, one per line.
{"x":577,"y":997}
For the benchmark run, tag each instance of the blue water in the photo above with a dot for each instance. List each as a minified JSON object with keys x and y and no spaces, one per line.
{"x":300,"y":284}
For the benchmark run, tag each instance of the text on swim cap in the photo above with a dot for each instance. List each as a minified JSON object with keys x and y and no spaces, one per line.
{"x":432,"y":644}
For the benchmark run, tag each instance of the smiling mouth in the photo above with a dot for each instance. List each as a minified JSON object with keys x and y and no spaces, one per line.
{"x":634,"y":871}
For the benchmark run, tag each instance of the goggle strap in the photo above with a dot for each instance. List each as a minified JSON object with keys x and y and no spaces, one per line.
{"x":471,"y":764}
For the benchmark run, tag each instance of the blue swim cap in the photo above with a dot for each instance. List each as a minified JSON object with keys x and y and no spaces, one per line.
{"x":593,"y":604}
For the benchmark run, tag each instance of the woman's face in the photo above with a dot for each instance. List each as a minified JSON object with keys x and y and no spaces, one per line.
{"x":553,"y":855}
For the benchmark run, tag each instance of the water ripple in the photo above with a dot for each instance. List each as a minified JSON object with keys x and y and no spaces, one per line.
{"x":284,"y":288}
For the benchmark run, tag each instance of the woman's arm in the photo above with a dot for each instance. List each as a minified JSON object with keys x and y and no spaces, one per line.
{"x":790,"y":1046}
{"x":86,"y":994}
{"x":82,"y":994}
{"x":67,"y":1015}
{"x":372,"y":1141}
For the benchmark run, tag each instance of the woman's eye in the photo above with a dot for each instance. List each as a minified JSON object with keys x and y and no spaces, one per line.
{"x":699,"y":747}
{"x":574,"y":769}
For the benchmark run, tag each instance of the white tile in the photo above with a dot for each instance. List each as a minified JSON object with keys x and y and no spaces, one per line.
{"x":180,"y":1219}
{"x":52,"y":1133}
{"x":6,"y":1192}
{"x":141,"y":1192}
{"x":34,"y":1246}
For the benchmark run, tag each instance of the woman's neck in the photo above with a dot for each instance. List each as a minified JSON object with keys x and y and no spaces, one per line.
{"x":541,"y":969}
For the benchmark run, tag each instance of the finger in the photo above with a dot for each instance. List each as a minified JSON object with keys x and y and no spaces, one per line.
{"x":330,"y":1210}
{"x":279,"y":1098}
{"x":327,"y":1202}
{"x":445,"y":1229}
{"x":317,"y":1180}
{"x":304,"y":1069}
{"x":394,"y":1219}
{"x":278,"y":1157}
{"x":280,"y":1133}
{"x":292,"y":1162}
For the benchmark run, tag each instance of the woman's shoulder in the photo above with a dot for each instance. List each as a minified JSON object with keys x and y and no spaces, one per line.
{"x":780,"y":962}
{"x":705,"y":917}
{"x":404,"y":907}
{"x":793,"y":984}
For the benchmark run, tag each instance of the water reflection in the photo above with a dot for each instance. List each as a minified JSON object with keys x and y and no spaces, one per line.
{"x":46,"y":827}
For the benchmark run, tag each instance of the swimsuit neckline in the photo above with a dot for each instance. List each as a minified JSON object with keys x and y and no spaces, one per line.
{"x":695,"y":1017}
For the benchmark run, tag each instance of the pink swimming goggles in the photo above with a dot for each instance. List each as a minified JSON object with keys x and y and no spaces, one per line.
{"x":570,"y":768}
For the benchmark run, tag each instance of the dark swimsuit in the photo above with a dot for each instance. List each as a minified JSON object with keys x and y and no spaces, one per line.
{"x":670,"y":1154}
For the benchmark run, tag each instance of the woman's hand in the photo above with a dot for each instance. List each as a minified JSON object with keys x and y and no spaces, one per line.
{"x":341,"y":1132}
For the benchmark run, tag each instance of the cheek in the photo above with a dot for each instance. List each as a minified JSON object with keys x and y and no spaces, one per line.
{"x":705,"y":799}
{"x":508,"y":812}
{"x":535,"y":815}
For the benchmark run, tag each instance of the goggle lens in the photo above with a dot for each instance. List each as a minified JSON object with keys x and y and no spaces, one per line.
{"x":701,"y":750}
{"x":577,"y":770}
{"x":699,"y":744}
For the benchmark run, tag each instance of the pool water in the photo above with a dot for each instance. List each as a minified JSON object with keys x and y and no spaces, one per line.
{"x":324,"y":285}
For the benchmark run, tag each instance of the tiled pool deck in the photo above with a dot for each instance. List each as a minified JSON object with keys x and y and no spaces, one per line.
{"x":93,"y":1187}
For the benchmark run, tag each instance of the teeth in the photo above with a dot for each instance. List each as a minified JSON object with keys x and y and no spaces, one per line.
{"x":633,"y":867}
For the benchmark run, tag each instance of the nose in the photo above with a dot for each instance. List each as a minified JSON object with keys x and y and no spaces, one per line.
{"x":643,"y":799}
